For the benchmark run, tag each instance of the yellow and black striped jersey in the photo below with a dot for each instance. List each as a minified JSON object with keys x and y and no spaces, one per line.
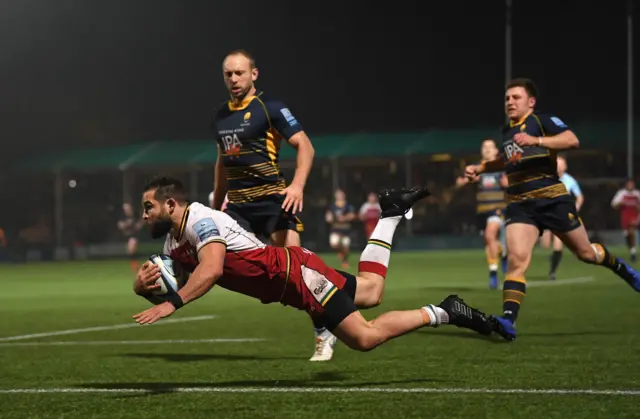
{"x":249,"y":135}
{"x":532,"y":170}
{"x":490,"y":195}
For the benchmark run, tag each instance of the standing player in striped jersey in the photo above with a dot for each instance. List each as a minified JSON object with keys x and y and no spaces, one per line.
{"x":627,"y":201}
{"x":576,"y":193}
{"x":250,"y":128}
{"x":490,"y":205}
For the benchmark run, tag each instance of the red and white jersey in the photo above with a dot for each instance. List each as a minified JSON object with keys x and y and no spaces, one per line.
{"x":628,"y":202}
{"x":370,"y":214}
{"x":250,"y":266}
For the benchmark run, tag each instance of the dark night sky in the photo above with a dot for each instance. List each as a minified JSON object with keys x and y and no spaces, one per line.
{"x":120,"y":71}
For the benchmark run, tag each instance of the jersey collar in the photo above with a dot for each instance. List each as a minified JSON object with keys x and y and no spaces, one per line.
{"x":245,"y":102}
{"x":183,"y":223}
{"x":521,"y":121}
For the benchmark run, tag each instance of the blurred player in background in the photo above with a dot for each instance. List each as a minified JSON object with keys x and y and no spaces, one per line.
{"x":224,"y":203}
{"x":129,"y":225}
{"x":627,"y":201}
{"x":490,"y":204}
{"x":218,"y":251}
{"x":370,"y":214}
{"x":340,"y":215}
{"x":537,"y":199}
{"x":249,"y":128}
{"x":576,"y":193}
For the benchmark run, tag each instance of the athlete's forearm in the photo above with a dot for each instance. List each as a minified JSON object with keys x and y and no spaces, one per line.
{"x":563,"y":141}
{"x":304,"y":161}
{"x":200,"y":282}
{"x":219,"y":184}
{"x":579,"y":202}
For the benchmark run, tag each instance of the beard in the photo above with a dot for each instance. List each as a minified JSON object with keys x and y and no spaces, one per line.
{"x":160,"y":227}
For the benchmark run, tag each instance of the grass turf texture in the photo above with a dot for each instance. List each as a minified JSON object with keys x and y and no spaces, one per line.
{"x":578,"y":335}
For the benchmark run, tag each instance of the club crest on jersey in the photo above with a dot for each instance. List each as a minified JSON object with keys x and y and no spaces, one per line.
{"x":247,"y":116}
{"x":489,"y":181}
{"x":513,"y":152}
{"x":523,"y":127}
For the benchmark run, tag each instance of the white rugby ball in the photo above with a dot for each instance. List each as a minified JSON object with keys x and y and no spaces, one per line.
{"x":172,"y":278}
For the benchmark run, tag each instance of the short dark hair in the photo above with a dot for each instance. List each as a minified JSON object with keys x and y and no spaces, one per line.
{"x":526,"y":84}
{"x":167,"y":187}
{"x":244,"y":53}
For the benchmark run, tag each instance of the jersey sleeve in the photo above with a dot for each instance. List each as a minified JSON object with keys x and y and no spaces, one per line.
{"x":552,"y":125}
{"x":282,"y":119}
{"x":617,"y":199}
{"x":203,"y":230}
{"x":575,"y":189}
{"x":364,"y":208}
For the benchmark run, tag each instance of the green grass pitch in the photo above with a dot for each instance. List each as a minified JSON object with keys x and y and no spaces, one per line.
{"x":228,"y":356}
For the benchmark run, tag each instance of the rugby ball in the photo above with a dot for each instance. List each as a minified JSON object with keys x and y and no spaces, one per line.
{"x":172,"y":278}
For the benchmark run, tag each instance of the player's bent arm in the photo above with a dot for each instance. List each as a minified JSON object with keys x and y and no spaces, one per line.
{"x":579,"y":201}
{"x":564,"y":141}
{"x":328,"y":217}
{"x":489,"y":166}
{"x":617,"y":199}
{"x":461,"y":181}
{"x":304,"y":158}
{"x":209,"y":270}
{"x":219,"y":182}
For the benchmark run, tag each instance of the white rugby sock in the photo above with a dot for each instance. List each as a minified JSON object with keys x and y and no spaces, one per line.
{"x":376,"y":255}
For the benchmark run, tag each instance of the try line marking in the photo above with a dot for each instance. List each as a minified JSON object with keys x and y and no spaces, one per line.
{"x":462,"y":390}
{"x":130,"y":325}
{"x":558,"y":282}
{"x":128,"y":342}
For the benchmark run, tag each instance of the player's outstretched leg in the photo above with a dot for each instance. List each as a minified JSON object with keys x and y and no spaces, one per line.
{"x":595,"y":253}
{"x":362,"y":335}
{"x":374,"y":261}
{"x":376,"y":255}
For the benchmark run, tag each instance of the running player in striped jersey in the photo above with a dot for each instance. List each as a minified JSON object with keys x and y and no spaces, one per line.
{"x":489,"y":208}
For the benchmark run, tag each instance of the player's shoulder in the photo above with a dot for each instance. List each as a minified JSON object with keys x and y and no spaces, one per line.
{"x":268,"y":99}
{"x":549,"y":117}
{"x":221,"y":111}
{"x":203,"y":218}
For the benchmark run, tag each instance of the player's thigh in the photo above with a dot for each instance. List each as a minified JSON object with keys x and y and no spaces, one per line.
{"x":522,"y":232}
{"x":331,"y":306}
{"x":546,"y":238}
{"x":334,"y":239}
{"x":492,"y":229}
{"x":283,"y":238}
{"x":577,"y":240}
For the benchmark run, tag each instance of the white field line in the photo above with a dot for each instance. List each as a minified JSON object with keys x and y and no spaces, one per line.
{"x":128,"y":342}
{"x":434,"y":390}
{"x":560,"y":282}
{"x":130,"y":325}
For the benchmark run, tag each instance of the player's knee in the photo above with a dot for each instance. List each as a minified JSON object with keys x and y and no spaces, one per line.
{"x":587,"y":253}
{"x":334,"y":241}
{"x":363,"y":342}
